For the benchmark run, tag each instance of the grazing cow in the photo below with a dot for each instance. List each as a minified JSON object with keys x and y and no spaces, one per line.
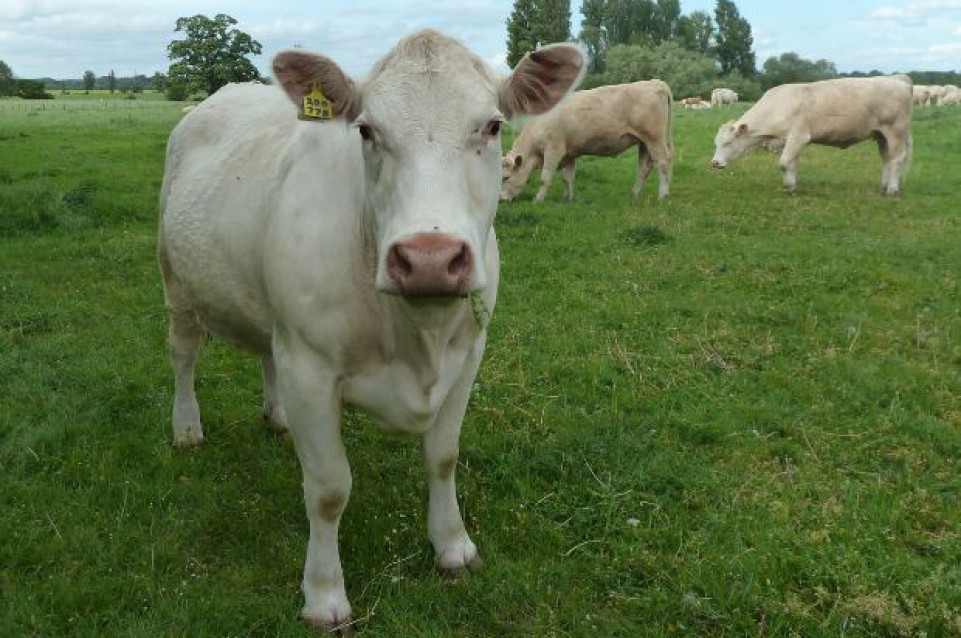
{"x":695,"y":103}
{"x":838,"y":113}
{"x":343,"y":232}
{"x":604,"y":121}
{"x":922,"y":94}
{"x":723,"y":96}
{"x":950,"y":94}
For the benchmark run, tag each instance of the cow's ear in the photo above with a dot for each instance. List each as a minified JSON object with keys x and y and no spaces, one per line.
{"x":741,"y":129}
{"x":542,"y":79}
{"x":317,"y":86}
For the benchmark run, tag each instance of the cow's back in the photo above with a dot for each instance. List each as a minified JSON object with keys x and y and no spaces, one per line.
{"x":835,"y":112}
{"x":618,"y":115}
{"x":222,"y":166}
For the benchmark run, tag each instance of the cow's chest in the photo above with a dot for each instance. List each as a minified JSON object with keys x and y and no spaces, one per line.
{"x":402,"y":397}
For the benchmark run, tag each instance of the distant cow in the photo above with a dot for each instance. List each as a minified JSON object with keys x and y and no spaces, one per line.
{"x":922,"y":94}
{"x":723,"y":96}
{"x":838,"y":113}
{"x":950,"y":94}
{"x":354,"y":253}
{"x":604,"y":121}
{"x":695,"y":103}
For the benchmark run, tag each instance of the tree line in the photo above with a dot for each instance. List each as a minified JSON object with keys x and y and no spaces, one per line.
{"x":211,"y":54}
{"x":629,"y":40}
{"x":626,"y":40}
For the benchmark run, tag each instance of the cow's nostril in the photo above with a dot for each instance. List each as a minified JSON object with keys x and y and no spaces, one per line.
{"x":399,"y":261}
{"x":460,"y":263}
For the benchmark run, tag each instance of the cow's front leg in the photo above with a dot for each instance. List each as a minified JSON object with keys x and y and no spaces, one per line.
{"x":551,"y":162}
{"x":454,"y":550}
{"x":788,"y":161}
{"x":308,"y":394}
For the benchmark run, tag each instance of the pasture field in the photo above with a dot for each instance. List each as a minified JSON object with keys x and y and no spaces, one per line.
{"x":731,"y":413}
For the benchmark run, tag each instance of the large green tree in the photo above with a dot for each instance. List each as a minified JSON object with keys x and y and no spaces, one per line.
{"x":790,"y":67}
{"x":593,"y":34}
{"x":8,"y":83}
{"x":212,"y":54}
{"x":688,"y":73}
{"x":667,"y":15}
{"x":521,"y":31}
{"x":695,"y":32}
{"x":534,"y":23}
{"x":89,"y":81}
{"x":734,"y":40}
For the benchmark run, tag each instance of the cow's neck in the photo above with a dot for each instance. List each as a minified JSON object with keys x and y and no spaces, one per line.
{"x":423,"y":331}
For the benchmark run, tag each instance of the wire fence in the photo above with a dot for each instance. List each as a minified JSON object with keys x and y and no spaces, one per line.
{"x":92,"y":104}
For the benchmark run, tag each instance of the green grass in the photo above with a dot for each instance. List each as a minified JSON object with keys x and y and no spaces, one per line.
{"x":734,"y":412}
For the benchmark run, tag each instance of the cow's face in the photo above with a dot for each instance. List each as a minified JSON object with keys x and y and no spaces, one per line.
{"x":513,"y":176}
{"x":429,"y":119}
{"x":732,"y":142}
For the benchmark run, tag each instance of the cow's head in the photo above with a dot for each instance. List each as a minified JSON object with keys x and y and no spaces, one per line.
{"x":514,"y":175}
{"x":429,"y":119}
{"x":732,"y":142}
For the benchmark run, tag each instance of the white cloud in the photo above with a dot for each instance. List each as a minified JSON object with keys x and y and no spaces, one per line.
{"x":892,"y":13}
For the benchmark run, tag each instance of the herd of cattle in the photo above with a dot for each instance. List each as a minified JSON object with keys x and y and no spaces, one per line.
{"x":607,"y":120}
{"x":936,"y":95}
{"x":342,"y":230}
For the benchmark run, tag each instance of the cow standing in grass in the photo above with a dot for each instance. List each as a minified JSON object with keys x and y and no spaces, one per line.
{"x":605,"y":121}
{"x":838,"y":113}
{"x":343,"y":232}
{"x":721,"y":96}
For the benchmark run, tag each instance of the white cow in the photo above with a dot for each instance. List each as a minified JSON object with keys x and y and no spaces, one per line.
{"x":950,"y":94}
{"x":723,"y":96}
{"x":838,"y":113}
{"x":354,"y":255}
{"x":604,"y":121}
{"x":922,"y":94}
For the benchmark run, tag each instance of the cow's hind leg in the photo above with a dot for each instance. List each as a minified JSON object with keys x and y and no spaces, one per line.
{"x":185,"y":336}
{"x":643,"y":169}
{"x":274,"y":414}
{"x":568,"y":170}
{"x":661,"y":155}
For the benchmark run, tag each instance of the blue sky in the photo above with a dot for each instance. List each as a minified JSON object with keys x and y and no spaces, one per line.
{"x":63,"y":38}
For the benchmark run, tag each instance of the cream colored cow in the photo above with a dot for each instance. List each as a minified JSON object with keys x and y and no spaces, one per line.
{"x":604,"y":121}
{"x":837,"y":112}
{"x":723,"y":96}
{"x":342,"y":231}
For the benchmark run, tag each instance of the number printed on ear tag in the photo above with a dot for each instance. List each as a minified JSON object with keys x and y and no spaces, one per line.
{"x":316,"y":106}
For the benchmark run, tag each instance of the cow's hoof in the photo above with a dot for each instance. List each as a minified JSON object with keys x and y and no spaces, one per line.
{"x":189,"y":435}
{"x":275,"y":418}
{"x":454,"y":574}
{"x":321,"y":622}
{"x":275,"y":425}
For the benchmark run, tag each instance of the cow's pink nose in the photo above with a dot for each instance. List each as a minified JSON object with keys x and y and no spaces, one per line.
{"x":716,"y":164}
{"x":430,"y":265}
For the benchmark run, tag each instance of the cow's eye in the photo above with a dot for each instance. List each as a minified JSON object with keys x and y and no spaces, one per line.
{"x":492,"y":128}
{"x":366,"y":131}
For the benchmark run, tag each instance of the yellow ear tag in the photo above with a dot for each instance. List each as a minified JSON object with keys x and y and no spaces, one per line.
{"x":316,"y":106}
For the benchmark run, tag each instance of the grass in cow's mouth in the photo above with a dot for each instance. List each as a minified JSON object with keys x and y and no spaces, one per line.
{"x":755,"y":425}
